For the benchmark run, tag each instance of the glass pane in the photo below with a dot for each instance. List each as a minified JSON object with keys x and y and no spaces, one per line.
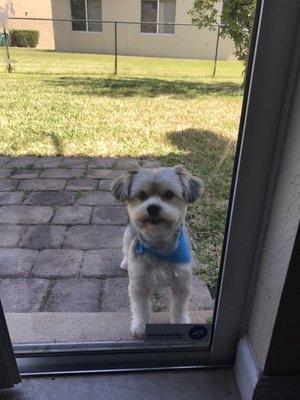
{"x":78,"y":12}
{"x":94,"y":13}
{"x":149,"y":14}
{"x":61,"y":228}
{"x":167,"y":14}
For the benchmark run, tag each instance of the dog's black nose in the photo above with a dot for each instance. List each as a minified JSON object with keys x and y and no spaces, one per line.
{"x":153,"y":210}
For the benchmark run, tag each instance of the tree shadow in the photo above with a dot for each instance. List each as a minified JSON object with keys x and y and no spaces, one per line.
{"x":57,"y":143}
{"x":144,"y":87}
{"x":205,"y":152}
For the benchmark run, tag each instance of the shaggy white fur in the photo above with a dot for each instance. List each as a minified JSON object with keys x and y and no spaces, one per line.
{"x":157,"y":201}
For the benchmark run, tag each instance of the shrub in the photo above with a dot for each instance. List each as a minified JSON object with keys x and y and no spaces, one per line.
{"x":24,"y":38}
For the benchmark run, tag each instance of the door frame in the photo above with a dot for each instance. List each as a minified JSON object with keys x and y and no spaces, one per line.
{"x":268,"y":93}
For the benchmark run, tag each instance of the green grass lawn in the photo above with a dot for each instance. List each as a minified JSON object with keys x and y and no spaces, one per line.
{"x":164,"y":109}
{"x":27,"y":60}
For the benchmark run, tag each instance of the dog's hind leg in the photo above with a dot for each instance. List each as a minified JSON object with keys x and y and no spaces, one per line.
{"x":127,"y":239}
{"x":124,"y":264}
{"x":140,"y":303}
{"x":179,"y":304}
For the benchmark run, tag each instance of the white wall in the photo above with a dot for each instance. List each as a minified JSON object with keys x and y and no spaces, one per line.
{"x":187,"y":42}
{"x":279,"y":240}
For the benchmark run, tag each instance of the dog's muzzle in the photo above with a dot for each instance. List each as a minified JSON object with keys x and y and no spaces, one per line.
{"x":153,"y":210}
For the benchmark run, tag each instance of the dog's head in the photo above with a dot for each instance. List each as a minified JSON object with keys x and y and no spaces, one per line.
{"x":157,"y":199}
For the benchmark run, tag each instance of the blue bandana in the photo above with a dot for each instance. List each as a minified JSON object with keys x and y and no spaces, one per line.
{"x":181,"y":255}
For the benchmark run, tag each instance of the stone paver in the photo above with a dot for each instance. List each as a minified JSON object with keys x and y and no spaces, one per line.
{"x":10,"y":235}
{"x":102,"y":264}
{"x":74,"y":162}
{"x":106,"y":215}
{"x":42,"y":184}
{"x":151,"y":164}
{"x":72,"y":215}
{"x":48,"y":162}
{"x":25,"y":215}
{"x":4,"y":160}
{"x":82,"y":184}
{"x":63,"y":173}
{"x":115,"y":295}
{"x":61,"y":235}
{"x":51,"y":198}
{"x":25,"y":174}
{"x":23,"y":295}
{"x":105,"y":184}
{"x":97,"y":199}
{"x":104,"y":173}
{"x":125,"y":163}
{"x":21,"y":162}
{"x":75,"y":295}
{"x":8,"y":184}
{"x":5,"y":173}
{"x":16,"y":262}
{"x":43,"y":237}
{"x":99,"y":162}
{"x":57,"y":263}
{"x":200,"y":297}
{"x":9,"y":198}
{"x":94,"y":237}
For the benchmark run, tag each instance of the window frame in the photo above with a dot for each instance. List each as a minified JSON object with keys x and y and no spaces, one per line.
{"x":86,"y":20}
{"x":270,"y":79}
{"x":158,"y":24}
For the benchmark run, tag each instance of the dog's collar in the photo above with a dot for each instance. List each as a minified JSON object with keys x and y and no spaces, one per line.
{"x":181,"y":255}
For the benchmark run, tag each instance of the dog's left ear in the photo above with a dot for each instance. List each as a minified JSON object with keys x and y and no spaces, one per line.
{"x":192,"y":186}
{"x":120,"y":187}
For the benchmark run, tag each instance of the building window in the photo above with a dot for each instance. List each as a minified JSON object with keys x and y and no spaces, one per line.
{"x":90,"y":12}
{"x":158,"y":11}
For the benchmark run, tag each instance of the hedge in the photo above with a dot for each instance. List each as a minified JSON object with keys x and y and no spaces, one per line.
{"x":24,"y":38}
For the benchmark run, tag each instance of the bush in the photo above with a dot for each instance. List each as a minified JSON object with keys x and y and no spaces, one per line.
{"x":24,"y":38}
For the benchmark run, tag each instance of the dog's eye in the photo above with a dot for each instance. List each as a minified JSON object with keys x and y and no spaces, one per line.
{"x":169,"y":195}
{"x":142,"y":196}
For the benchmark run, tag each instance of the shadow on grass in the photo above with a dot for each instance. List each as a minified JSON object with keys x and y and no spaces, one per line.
{"x":144,"y":87}
{"x":207,"y":154}
{"x":57,"y":144}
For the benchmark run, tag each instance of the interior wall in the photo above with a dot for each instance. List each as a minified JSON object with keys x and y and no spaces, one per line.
{"x":284,"y":352}
{"x":279,"y":239}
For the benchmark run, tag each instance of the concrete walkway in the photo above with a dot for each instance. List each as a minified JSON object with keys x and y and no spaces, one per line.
{"x":60,"y":238}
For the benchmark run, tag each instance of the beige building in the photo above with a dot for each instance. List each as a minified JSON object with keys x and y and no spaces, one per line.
{"x":144,"y":38}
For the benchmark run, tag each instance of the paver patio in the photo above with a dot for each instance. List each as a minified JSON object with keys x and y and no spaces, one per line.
{"x":61,"y":235}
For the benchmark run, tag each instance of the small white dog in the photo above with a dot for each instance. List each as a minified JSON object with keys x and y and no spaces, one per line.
{"x":155,"y":244}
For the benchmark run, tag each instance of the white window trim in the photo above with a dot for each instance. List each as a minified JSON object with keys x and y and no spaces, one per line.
{"x":157,"y":16}
{"x":86,"y":18}
{"x":157,"y":21}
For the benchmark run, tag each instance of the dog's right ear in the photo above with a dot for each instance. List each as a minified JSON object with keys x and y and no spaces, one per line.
{"x":192,"y":186}
{"x":120,"y":187}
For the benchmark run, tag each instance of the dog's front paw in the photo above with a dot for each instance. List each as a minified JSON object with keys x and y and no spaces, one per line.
{"x":124,"y":265}
{"x":137,"y":329}
{"x":182,"y":319}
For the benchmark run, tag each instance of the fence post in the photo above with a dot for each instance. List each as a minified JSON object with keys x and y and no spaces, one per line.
{"x":116,"y":48}
{"x":9,"y":67}
{"x":216,"y":53}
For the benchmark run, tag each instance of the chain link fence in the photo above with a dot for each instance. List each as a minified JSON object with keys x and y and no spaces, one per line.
{"x":111,"y":47}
